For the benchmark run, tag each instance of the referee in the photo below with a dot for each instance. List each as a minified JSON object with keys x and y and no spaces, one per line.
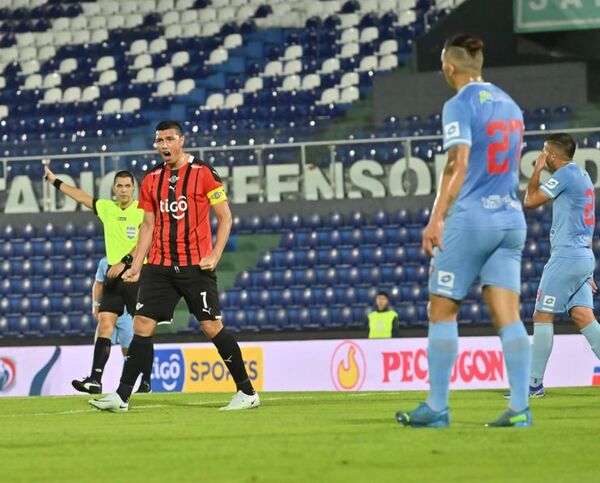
{"x":121,"y":219}
{"x":177,"y":197}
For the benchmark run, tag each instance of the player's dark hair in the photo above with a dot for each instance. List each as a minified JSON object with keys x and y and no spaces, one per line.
{"x":124,"y":174}
{"x":384,"y":293}
{"x":564,"y":142}
{"x":163,"y":125}
{"x":471,"y":43}
{"x":465,"y":51}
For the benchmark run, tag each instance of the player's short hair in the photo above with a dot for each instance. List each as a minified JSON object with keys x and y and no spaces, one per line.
{"x":465,"y":51}
{"x":163,"y":125}
{"x":384,"y":293}
{"x":564,"y":142}
{"x":124,"y":174}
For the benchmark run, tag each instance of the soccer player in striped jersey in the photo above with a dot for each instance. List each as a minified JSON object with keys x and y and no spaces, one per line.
{"x":177,"y":197}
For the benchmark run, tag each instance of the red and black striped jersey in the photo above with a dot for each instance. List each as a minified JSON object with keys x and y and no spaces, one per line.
{"x":180,"y":200}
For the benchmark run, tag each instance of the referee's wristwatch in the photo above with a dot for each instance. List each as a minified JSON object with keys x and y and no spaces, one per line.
{"x":127,"y":260}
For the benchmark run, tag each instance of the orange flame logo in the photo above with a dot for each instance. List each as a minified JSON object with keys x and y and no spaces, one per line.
{"x":348,"y":371}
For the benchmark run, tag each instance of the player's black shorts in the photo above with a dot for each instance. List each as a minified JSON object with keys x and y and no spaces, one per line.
{"x":117,"y":294}
{"x":162,"y":287}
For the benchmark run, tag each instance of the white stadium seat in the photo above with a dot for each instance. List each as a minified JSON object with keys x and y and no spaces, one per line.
{"x":141,"y":61}
{"x":133,"y":20}
{"x":180,"y":59}
{"x":61,"y":23}
{"x":330,"y":66}
{"x":349,"y":79}
{"x":3,"y":112}
{"x":232,"y":41}
{"x":91,"y":9}
{"x":158,"y":45}
{"x":349,"y":35}
{"x":225,"y":14}
{"x":25,"y":39}
{"x":28,"y":53}
{"x":81,"y":37}
{"x":274,"y":67}
{"x":67,"y":66}
{"x":165,"y":5}
{"x":33,"y":81}
{"x":349,"y":95}
{"x":90,"y":93}
{"x":170,"y":18}
{"x":388,"y":62}
{"x":164,"y":73}
{"x":72,"y":94}
{"x":185,"y":86}
{"x":145,"y":75}
{"x":30,"y":67}
{"x":43,"y":39}
{"x":293,"y":52}
{"x":99,"y":36}
{"x":215,"y":101}
{"x":111,"y":106}
{"x":406,"y":18}
{"x":218,"y":56}
{"x":52,"y":80}
{"x":291,"y":83}
{"x":107,"y":77}
{"x":367,"y":63}
{"x":126,"y":8}
{"x":348,"y":20}
{"x":207,"y":15}
{"x":166,"y":88}
{"x":292,"y":67}
{"x":234,"y":100}
{"x":184,"y":4}
{"x":211,"y":28}
{"x":52,"y":96}
{"x":138,"y":47}
{"x":191,"y":30}
{"x":105,"y":63}
{"x":253,"y":84}
{"x":369,"y":34}
{"x":174,"y":31}
{"x":98,"y":22}
{"x":349,"y":50}
{"x":46,"y":52}
{"x":78,"y":23}
{"x":109,"y":7}
{"x":329,"y":96}
{"x":311,"y":81}
{"x":388,"y":47}
{"x":115,"y":22}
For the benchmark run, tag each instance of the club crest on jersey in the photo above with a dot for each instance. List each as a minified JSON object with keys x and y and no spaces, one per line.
{"x":131,"y":232}
{"x":173,"y":179}
{"x":452,"y":130}
{"x":175,"y":208}
{"x":549,"y":301}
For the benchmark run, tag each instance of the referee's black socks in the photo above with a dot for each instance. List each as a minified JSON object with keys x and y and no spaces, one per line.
{"x":140,"y":350}
{"x":101,"y":353}
{"x":230,"y":352}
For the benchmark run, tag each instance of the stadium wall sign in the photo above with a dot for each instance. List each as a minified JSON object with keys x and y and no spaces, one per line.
{"x":364,"y":178}
{"x":550,"y":15}
{"x":333,"y":365}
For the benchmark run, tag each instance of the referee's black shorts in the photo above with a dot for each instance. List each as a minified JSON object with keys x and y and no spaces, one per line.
{"x":117,"y":294}
{"x":161,"y":288}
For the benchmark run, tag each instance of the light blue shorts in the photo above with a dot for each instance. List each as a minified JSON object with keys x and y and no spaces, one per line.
{"x":565,"y":284}
{"x":123,"y":332}
{"x":492,"y":255}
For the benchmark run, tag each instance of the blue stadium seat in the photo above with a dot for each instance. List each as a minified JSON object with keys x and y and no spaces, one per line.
{"x":380,"y":218}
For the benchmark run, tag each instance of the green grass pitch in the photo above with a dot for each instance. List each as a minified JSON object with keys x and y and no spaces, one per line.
{"x":301,"y":437}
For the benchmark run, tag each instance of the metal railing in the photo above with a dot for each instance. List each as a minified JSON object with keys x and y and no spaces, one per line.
{"x":332,"y":180}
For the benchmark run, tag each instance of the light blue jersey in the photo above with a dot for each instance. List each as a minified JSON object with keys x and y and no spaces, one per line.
{"x":573,"y":206}
{"x":123,"y":333}
{"x":566,"y":278}
{"x":484,"y":117}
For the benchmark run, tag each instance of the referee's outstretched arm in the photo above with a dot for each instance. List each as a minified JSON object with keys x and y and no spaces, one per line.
{"x":75,"y":193}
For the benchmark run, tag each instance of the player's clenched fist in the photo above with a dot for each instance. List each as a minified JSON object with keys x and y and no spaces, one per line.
{"x":131,"y":275}
{"x":49,"y":176}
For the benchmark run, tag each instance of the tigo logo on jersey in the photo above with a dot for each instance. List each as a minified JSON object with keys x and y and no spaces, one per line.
{"x":8,"y":373}
{"x":596,"y":377}
{"x":168,"y":372}
{"x":206,"y":371}
{"x":452,"y":130}
{"x":549,"y":301}
{"x":551,"y":184}
{"x":446,"y":279}
{"x":348,"y":367}
{"x":176,"y":208}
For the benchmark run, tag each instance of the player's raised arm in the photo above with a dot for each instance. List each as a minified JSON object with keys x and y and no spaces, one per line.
{"x":534,"y":196}
{"x":450,"y":185}
{"x":75,"y":193}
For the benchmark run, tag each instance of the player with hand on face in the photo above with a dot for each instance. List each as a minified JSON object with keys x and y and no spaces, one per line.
{"x":567,"y":282}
